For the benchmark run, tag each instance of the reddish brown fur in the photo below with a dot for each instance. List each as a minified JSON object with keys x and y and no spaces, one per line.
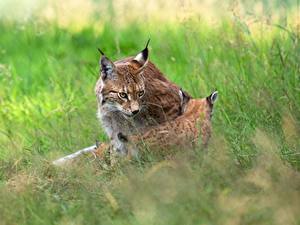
{"x":183,"y":132}
{"x":161,"y":95}
{"x":161,"y":101}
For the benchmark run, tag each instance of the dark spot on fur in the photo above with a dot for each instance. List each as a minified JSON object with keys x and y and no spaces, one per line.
{"x":122,"y":137}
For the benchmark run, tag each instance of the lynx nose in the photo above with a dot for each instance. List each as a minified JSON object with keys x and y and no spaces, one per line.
{"x":135,"y":112}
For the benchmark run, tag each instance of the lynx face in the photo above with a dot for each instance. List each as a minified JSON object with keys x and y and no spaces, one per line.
{"x":121,"y":86}
{"x":123,"y":93}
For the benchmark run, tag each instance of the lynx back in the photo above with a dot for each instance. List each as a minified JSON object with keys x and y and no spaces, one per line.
{"x":184,"y":132}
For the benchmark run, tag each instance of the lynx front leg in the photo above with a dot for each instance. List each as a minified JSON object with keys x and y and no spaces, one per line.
{"x":98,"y":151}
{"x":70,"y":158}
{"x":102,"y":149}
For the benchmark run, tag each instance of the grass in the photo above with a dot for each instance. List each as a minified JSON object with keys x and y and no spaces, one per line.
{"x":249,"y":174}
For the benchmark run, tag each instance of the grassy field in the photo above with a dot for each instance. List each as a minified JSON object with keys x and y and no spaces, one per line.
{"x":249,"y":173}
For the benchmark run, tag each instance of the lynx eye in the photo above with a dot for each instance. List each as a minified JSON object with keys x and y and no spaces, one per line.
{"x":122,"y":95}
{"x":141,"y":93}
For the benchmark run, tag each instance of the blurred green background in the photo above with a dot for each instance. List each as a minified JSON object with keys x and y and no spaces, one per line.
{"x":248,"y":50}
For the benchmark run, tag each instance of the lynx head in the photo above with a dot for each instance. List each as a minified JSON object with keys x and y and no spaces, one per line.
{"x":121,"y":84}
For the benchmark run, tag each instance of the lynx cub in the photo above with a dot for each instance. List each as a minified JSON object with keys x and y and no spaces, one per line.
{"x":183,"y":132}
{"x":133,"y":95}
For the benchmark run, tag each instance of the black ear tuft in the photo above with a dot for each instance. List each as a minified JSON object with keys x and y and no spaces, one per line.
{"x":142,"y":57}
{"x":145,"y":52}
{"x":148,"y":43}
{"x":212,"y":97}
{"x":122,"y":137}
{"x":101,"y":52}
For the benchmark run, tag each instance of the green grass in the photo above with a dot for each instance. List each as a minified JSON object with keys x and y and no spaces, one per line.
{"x":249,"y":174}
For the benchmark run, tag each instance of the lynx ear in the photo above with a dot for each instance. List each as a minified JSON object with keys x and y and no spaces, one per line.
{"x":107,"y":66}
{"x":142,"y":57}
{"x":212,"y":98}
{"x":185,"y":98}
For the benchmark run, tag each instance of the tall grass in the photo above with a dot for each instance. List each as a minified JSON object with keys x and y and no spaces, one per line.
{"x":47,"y":109}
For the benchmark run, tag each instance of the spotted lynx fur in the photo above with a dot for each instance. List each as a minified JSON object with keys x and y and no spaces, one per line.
{"x":134,"y":95}
{"x":184,"y":132}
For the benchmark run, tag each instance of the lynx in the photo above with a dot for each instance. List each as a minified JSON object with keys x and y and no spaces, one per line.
{"x":133,"y":95}
{"x":183,"y":132}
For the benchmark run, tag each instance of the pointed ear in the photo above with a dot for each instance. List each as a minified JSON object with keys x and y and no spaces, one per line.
{"x":107,"y":66}
{"x":142,"y":58}
{"x":185,"y":98}
{"x":212,"y":98}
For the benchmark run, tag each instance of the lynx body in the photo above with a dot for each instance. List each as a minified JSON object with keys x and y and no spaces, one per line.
{"x":133,"y":95}
{"x":186,"y":131}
